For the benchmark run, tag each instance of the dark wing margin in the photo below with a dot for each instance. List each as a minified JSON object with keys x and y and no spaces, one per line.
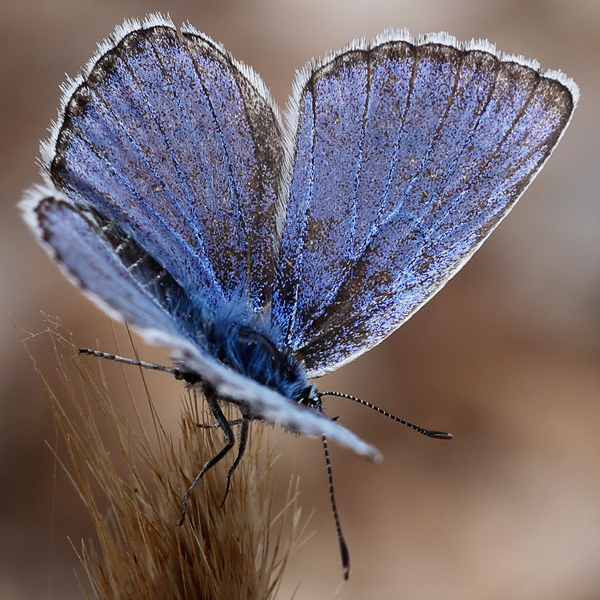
{"x":168,"y":135}
{"x":406,"y":157}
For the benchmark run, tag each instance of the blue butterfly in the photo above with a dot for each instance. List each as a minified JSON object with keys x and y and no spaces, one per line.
{"x":264,"y":255}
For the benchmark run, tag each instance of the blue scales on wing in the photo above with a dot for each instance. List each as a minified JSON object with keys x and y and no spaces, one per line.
{"x":169,"y":138}
{"x":406,"y":158}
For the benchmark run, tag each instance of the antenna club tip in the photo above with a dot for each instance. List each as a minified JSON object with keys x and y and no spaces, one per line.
{"x":345,"y":559}
{"x":440,"y":435}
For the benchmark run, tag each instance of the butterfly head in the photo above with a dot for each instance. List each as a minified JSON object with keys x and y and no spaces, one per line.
{"x":311,"y":398}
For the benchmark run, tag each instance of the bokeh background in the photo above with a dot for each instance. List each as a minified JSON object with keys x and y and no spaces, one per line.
{"x":506,"y":357}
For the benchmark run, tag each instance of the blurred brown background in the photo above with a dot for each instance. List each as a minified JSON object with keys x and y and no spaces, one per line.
{"x":506,"y":357}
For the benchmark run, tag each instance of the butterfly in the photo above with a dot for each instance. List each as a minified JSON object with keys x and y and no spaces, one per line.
{"x":265,"y":252}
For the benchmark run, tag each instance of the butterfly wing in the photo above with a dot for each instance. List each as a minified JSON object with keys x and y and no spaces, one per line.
{"x":86,"y":252}
{"x":169,"y":136}
{"x":407,"y":156}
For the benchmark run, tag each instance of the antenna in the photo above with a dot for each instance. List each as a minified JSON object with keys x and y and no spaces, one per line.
{"x":438,"y":435}
{"x":177,"y":373}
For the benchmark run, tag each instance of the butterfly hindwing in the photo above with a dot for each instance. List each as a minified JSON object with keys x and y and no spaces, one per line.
{"x":78,"y":244}
{"x":407,"y":156}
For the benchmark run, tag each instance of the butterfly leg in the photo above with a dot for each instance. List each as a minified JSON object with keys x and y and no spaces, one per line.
{"x":223,"y":423}
{"x":213,"y":425}
{"x":244,"y":430}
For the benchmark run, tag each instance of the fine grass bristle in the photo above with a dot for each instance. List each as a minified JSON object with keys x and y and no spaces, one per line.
{"x":132,"y":481}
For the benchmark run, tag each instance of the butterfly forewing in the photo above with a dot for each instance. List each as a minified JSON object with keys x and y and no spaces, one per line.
{"x":168,"y":137}
{"x":406,"y":158}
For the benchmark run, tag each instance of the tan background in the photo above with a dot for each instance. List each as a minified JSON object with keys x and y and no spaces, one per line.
{"x":506,"y":357}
